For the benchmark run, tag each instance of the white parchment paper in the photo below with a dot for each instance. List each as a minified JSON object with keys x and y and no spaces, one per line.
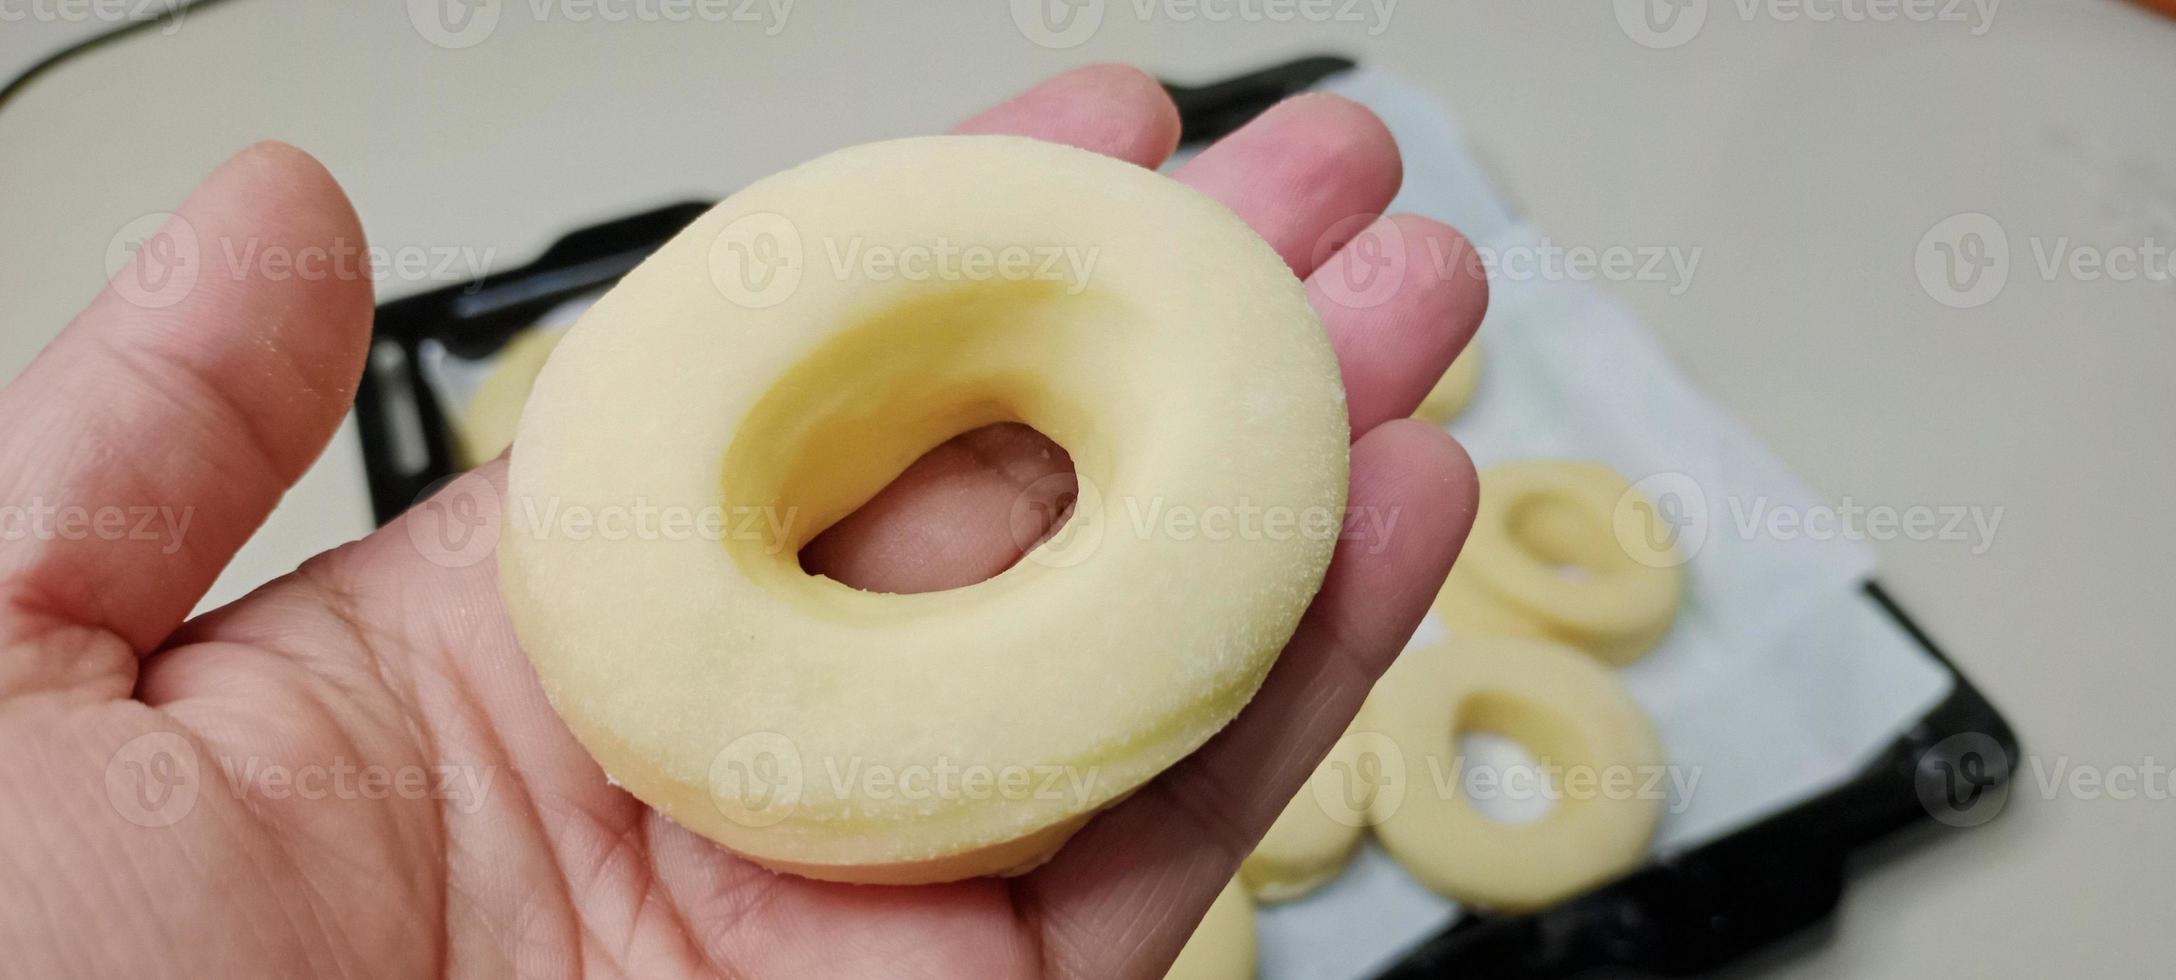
{"x":1780,"y":677}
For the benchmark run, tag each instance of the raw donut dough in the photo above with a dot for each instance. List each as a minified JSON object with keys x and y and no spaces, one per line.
{"x":1222,"y":946}
{"x":1558,"y":704}
{"x":1552,"y":554}
{"x":1455,"y":389}
{"x":487,"y":425}
{"x":1318,"y":830}
{"x":1319,"y":826}
{"x":764,"y":368}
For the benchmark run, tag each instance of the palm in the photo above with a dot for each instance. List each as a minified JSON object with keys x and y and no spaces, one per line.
{"x":547,"y":865}
{"x":379,"y":785}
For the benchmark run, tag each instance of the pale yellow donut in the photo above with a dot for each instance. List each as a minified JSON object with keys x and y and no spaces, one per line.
{"x":1545,"y":558}
{"x":1454,"y":390}
{"x":1315,"y":835}
{"x":1222,"y":946}
{"x":766,"y":369}
{"x":486,"y":426}
{"x":1565,"y":709}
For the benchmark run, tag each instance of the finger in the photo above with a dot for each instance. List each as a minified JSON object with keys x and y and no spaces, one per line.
{"x":176,"y":410}
{"x":1115,"y":110}
{"x":1107,"y":900}
{"x":947,"y":521}
{"x":1400,"y":300}
{"x":1300,"y":168}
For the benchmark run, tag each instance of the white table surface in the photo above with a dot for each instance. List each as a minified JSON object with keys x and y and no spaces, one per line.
{"x":1806,"y":160}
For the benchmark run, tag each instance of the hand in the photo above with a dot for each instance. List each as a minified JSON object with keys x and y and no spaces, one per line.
{"x":352,"y":771}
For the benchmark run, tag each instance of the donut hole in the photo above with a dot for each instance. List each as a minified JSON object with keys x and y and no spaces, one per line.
{"x":1508,"y":752}
{"x":938,"y":438}
{"x":962,"y":513}
{"x":1557,"y":531}
{"x":1501,"y":780}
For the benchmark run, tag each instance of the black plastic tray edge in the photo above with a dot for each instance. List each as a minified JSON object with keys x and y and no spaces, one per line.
{"x":1684,"y":914}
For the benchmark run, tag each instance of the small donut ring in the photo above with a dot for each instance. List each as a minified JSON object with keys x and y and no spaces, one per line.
{"x":486,"y":426}
{"x":1546,"y":558}
{"x":1454,"y":390}
{"x":1222,"y":946}
{"x":764,"y":374}
{"x":1318,"y":830}
{"x":1564,"y":708}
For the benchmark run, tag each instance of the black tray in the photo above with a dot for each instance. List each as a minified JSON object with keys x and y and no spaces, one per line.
{"x":1686,"y":913}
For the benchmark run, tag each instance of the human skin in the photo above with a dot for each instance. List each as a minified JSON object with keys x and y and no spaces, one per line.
{"x":382,"y":653}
